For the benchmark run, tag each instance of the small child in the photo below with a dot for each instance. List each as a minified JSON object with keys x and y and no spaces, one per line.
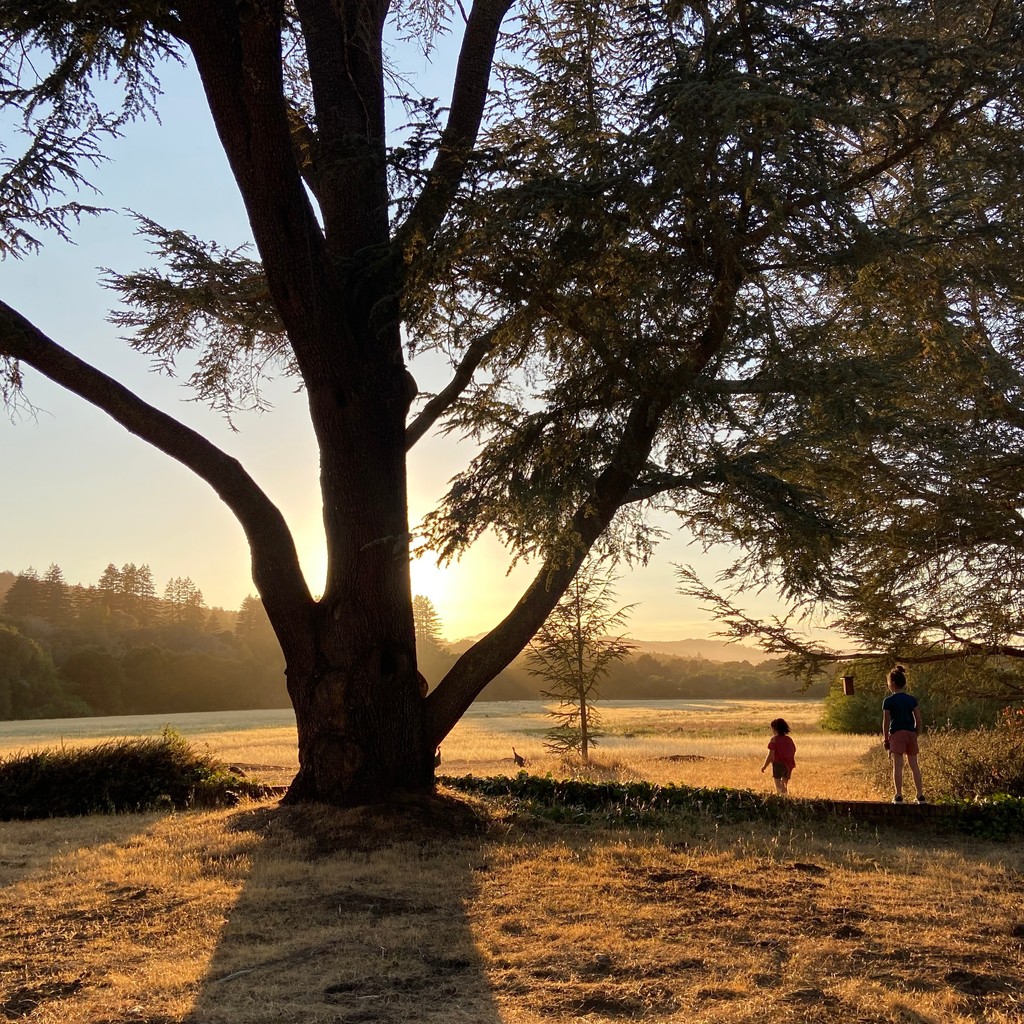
{"x":781,"y":755}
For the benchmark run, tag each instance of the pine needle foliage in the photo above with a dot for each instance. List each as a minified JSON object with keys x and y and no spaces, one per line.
{"x":573,"y":652}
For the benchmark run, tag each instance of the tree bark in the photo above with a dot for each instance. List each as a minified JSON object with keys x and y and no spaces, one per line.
{"x":360,"y":720}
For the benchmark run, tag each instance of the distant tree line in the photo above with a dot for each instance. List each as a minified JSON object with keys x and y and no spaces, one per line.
{"x":116,"y":647}
{"x":639,"y":676}
{"x":644,"y":676}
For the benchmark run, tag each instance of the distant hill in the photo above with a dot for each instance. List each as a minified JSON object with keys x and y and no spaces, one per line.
{"x":710,"y":650}
{"x":691,"y":669}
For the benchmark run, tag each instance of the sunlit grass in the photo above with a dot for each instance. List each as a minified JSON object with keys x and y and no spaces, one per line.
{"x":259,"y":916}
{"x":264,"y":915}
{"x":695,"y":743}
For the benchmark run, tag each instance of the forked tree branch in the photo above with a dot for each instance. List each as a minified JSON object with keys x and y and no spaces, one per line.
{"x":446,"y":398}
{"x":611,"y":490}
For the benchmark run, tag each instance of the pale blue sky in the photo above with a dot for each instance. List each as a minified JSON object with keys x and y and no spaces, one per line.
{"x":80,"y":491}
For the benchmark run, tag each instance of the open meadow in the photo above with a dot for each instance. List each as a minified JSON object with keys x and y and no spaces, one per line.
{"x":477,"y":912}
{"x":694,"y":742}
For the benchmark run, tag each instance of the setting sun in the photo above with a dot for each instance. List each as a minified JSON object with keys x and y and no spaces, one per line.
{"x":431,"y":580}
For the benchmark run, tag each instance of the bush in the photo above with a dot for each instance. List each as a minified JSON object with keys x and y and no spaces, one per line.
{"x":977,"y":764}
{"x":582,"y":802}
{"x":944,"y":691}
{"x":970,"y":764}
{"x":118,"y":776}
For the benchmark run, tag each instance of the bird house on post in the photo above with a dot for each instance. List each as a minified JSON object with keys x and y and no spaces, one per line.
{"x":848,"y":686}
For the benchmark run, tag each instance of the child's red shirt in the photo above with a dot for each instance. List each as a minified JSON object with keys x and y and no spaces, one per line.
{"x":784,"y":750}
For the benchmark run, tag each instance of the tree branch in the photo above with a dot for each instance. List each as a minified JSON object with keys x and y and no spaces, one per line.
{"x":239,"y":60}
{"x":343,"y":49}
{"x":275,"y":564}
{"x":486,"y":658}
{"x":945,"y":120}
{"x":469,"y":97}
{"x":445,"y":399}
{"x":662,"y":482}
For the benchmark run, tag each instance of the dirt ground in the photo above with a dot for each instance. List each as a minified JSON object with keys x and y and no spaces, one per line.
{"x":264,"y":915}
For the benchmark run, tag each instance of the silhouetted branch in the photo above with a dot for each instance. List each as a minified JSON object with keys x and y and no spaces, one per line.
{"x":276,"y":570}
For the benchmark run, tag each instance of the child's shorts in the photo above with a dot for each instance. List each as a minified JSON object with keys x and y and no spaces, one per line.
{"x":903,"y":742}
{"x":780,"y":770}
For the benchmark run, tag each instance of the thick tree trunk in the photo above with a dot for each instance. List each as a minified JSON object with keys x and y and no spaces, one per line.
{"x":361,"y":733}
{"x":353,"y":679}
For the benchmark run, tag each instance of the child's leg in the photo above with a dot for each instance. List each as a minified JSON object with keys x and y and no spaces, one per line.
{"x":916,"y":772}
{"x":897,"y":773}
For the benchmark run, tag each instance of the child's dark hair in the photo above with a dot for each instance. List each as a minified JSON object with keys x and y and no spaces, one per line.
{"x":780,"y":725}
{"x":898,"y":677}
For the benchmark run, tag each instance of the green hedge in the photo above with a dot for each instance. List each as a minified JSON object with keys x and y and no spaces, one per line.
{"x":118,"y":776}
{"x":628,"y":803}
{"x":644,"y":803}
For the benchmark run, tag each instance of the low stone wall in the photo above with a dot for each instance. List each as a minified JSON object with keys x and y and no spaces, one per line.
{"x":881,"y":813}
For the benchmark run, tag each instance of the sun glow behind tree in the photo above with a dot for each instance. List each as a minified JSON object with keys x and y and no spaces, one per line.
{"x":646,"y":240}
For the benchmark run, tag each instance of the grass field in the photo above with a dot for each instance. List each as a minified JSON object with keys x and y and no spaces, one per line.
{"x":265,"y":914}
{"x":696,"y":743}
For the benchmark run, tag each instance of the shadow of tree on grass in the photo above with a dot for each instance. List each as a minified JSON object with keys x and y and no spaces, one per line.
{"x":355,"y":916}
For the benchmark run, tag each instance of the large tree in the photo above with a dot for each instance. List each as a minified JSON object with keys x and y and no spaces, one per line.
{"x":645,"y":228}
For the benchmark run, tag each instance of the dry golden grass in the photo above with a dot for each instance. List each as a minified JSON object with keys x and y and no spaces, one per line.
{"x":694,"y":743}
{"x":268,"y":915}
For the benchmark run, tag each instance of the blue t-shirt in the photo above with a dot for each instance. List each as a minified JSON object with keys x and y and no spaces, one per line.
{"x":900,"y":706}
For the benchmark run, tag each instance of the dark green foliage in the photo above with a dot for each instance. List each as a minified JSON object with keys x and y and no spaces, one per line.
{"x":116,"y":777}
{"x":96,"y":677}
{"x":623,"y":803}
{"x":118,"y":649}
{"x":977,"y":764}
{"x":948,"y":694}
{"x":29,"y":683}
{"x":997,"y":817}
{"x":643,"y":803}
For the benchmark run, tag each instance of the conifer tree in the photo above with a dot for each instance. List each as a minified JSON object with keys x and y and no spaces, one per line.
{"x":426,"y":621}
{"x":25,"y":598}
{"x":56,"y":596}
{"x":650,"y":256}
{"x":573,"y":652}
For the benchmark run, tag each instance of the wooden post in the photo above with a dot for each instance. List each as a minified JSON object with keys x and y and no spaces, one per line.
{"x":848,"y":686}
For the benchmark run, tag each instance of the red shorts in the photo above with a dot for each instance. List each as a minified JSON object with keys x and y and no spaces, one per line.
{"x":903,"y":742}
